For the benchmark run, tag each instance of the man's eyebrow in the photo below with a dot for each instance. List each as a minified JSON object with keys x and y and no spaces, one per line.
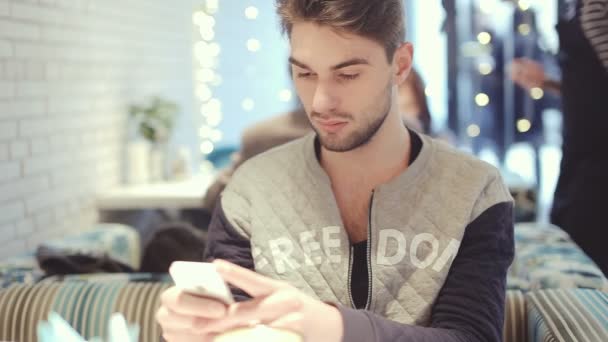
{"x":350,"y":62}
{"x":298,"y":63}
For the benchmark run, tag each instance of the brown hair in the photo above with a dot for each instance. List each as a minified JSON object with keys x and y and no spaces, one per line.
{"x":380,"y":20}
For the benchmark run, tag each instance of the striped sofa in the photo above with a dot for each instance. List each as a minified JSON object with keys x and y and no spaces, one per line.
{"x":556,"y":315}
{"x":555,"y":291}
{"x":546,"y":315}
{"x":86,"y":305}
{"x":87,"y":302}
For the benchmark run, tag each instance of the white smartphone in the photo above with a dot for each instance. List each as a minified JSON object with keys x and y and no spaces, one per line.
{"x":200,"y":279}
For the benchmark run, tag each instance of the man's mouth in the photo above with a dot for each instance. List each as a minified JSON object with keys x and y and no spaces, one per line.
{"x":332,"y":125}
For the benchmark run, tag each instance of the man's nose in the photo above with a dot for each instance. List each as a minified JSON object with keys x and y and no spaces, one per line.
{"x":324,"y":101}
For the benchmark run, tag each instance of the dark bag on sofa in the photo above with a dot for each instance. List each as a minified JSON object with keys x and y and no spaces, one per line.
{"x":55,"y":261}
{"x":171,"y":242}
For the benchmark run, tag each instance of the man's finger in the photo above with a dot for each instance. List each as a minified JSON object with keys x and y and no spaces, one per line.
{"x":292,"y":322}
{"x":170,"y":320}
{"x":254,"y":284}
{"x":261,"y":310}
{"x":183,"y":303}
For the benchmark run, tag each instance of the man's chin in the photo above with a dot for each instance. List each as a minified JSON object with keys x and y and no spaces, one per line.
{"x":336,"y":143}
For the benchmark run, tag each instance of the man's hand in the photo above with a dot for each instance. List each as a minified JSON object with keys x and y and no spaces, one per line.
{"x":274,"y":303}
{"x":182,"y":316}
{"x":527,"y":73}
{"x":277,"y":305}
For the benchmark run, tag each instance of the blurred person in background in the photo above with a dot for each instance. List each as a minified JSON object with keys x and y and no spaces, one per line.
{"x":581,"y":194}
{"x":258,"y":138}
{"x":413,"y":105}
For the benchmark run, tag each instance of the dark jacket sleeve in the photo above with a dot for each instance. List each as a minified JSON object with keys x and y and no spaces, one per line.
{"x":224,"y":242}
{"x":470,"y":305}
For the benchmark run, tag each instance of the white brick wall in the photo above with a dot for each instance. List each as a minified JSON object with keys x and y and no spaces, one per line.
{"x":7,"y":89}
{"x":4,"y":7}
{"x":68,"y":71}
{"x":3,"y":152}
{"x":6,"y":48}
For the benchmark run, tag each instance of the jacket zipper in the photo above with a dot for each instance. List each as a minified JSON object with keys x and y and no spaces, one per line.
{"x":369,"y":254}
{"x":350,"y":272}
{"x":369,"y":261}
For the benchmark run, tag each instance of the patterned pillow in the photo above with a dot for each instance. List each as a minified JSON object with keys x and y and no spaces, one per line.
{"x":120,"y":242}
{"x":567,"y":315}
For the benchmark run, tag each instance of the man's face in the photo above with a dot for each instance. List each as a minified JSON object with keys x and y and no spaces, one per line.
{"x":344,"y":82}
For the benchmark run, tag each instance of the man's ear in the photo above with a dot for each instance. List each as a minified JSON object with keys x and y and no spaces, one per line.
{"x":402,"y":62}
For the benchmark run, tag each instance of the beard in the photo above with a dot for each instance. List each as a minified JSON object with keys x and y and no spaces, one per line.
{"x":360,"y":136}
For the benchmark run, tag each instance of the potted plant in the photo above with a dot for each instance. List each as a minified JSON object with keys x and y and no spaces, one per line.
{"x":154,"y":121}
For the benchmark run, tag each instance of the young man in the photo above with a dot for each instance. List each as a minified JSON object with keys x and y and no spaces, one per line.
{"x":362,"y":230}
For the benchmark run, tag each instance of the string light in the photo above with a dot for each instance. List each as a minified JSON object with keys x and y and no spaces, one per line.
{"x":207,"y":147}
{"x":537,"y":93}
{"x":251,"y":12}
{"x":204,"y":132}
{"x":428,"y":91}
{"x":212,"y":106}
{"x":197,"y":17}
{"x":523,"y":125}
{"x":285,"y":95}
{"x":473,"y":131}
{"x":524,"y":29}
{"x":484,"y":38}
{"x":485,"y":68}
{"x":203,"y":92}
{"x":217,"y":80}
{"x":204,"y":20}
{"x":524,"y":5}
{"x":248,"y":104}
{"x":207,"y":34}
{"x":206,"y":52}
{"x":214,"y":49}
{"x":212,"y":6}
{"x":205,"y":75}
{"x":253,"y":45}
{"x":486,"y":6}
{"x":482,"y":99}
{"x":216,"y":135}
{"x":213,"y":119}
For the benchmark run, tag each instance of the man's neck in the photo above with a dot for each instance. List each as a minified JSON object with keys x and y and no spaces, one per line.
{"x":384,"y":157}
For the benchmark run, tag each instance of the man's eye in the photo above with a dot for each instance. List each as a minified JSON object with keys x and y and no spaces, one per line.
{"x":304,"y":74}
{"x":349,"y":76}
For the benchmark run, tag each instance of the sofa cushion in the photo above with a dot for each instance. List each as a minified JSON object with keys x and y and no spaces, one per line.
{"x":567,"y":315}
{"x":546,"y":257}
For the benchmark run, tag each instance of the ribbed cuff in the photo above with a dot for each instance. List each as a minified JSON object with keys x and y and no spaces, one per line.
{"x":357,"y":325}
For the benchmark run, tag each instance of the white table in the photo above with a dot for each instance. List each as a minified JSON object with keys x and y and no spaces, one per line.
{"x":174,"y":195}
